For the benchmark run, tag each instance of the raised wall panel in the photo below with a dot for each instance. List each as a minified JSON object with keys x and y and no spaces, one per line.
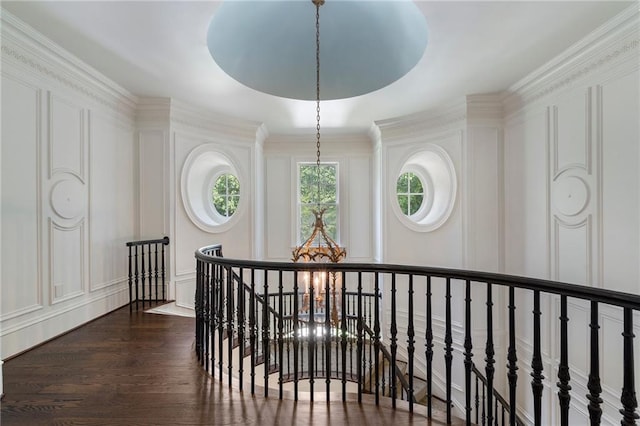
{"x":571,"y":131}
{"x":579,"y":313}
{"x":67,"y":254}
{"x":152,"y":184}
{"x":574,"y":126}
{"x":360,"y":206}
{"x":278,"y":206}
{"x":621,"y":184}
{"x":111,"y":200}
{"x":484,"y":221}
{"x":573,"y":254}
{"x":21,"y":236}
{"x":66,"y":137}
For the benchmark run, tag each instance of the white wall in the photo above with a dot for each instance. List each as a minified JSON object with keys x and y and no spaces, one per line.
{"x":572,"y":204}
{"x":353,"y":153}
{"x":68,"y":190}
{"x":548,"y":186}
{"x":168,"y":132}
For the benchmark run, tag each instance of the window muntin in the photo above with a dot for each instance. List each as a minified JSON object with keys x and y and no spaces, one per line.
{"x":410,"y":193}
{"x":309,"y":199}
{"x":225,"y":194}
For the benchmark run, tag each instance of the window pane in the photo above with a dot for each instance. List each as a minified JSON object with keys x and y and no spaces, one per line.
{"x":313,"y":196}
{"x":307,"y":221}
{"x":403,"y":185}
{"x":403,"y":202}
{"x":232,"y":204}
{"x":234,"y":185}
{"x":410,"y":193}
{"x":225,"y":194}
{"x":415,"y":184}
{"x":415,"y":203}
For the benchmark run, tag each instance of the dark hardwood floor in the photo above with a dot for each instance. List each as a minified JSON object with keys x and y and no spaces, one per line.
{"x":140,"y":369}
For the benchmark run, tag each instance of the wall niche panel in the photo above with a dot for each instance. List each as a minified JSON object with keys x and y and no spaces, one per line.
{"x":66,"y":137}
{"x":20,"y":207}
{"x":67,"y":253}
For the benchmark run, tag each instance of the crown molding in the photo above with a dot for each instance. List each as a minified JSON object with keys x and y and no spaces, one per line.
{"x":424,"y":123}
{"x":262,"y":134}
{"x":614,"y":42}
{"x":484,"y":110}
{"x":153,"y":112}
{"x":304,"y":143}
{"x":186,"y":116}
{"x":27,"y":48}
{"x":375,"y":135}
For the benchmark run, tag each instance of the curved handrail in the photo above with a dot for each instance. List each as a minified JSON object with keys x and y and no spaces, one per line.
{"x":385,"y":324}
{"x":612,"y":297}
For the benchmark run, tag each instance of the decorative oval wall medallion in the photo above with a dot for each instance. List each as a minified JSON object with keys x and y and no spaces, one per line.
{"x":570,"y":195}
{"x":67,"y":198}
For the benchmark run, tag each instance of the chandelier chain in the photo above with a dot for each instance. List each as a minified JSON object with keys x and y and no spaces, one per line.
{"x":318,"y":3}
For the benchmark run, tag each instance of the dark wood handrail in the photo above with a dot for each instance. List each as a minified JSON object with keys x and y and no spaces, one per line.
{"x":164,"y":241}
{"x":602,"y":295}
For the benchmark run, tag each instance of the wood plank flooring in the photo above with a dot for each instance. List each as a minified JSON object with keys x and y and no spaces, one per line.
{"x":140,"y":369}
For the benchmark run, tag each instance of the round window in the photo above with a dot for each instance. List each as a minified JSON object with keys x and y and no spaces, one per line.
{"x":410,"y":193}
{"x":425,"y":189}
{"x":225,"y":194}
{"x":211,"y":189}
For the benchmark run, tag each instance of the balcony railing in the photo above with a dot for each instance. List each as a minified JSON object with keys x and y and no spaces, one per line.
{"x":359,"y":322}
{"x":147,"y":271}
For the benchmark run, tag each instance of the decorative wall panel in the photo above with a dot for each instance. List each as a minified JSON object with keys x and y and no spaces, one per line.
{"x":67,"y":254}
{"x":20,"y":207}
{"x":574,"y":192}
{"x":66,"y":137}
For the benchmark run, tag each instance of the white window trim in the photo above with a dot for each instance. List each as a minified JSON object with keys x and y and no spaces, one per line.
{"x":434,"y":165}
{"x":203,"y":166}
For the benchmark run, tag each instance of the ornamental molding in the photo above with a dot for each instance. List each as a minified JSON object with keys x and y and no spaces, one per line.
{"x":25,"y":47}
{"x":614,"y":43}
{"x":183,"y":114}
{"x":426,"y":122}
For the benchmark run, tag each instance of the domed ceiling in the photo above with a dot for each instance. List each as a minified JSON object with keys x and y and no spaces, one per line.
{"x":270,"y":46}
{"x":374,"y":62}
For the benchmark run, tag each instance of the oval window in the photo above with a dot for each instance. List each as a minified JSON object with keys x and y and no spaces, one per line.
{"x":410,"y":193}
{"x":225,"y":194}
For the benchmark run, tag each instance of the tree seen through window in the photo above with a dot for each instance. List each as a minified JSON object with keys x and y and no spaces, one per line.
{"x":226,"y":194}
{"x":410,"y":193}
{"x":310,"y":199}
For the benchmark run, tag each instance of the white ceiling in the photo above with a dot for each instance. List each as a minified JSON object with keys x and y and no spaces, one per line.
{"x":160,"y":49}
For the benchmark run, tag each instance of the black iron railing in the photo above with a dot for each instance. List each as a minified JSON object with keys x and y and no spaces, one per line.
{"x":257,"y":310}
{"x":501,"y":408}
{"x":147,"y":271}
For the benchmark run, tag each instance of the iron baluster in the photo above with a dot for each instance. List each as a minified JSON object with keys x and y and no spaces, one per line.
{"x":536,"y":362}
{"x":468,"y":354}
{"x":563,"y":370}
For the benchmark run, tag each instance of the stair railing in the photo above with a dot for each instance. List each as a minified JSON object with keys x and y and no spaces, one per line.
{"x":500,"y":404}
{"x":147,"y":270}
{"x":218,"y":304}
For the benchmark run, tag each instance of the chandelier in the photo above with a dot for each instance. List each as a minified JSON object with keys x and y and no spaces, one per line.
{"x":319,"y":247}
